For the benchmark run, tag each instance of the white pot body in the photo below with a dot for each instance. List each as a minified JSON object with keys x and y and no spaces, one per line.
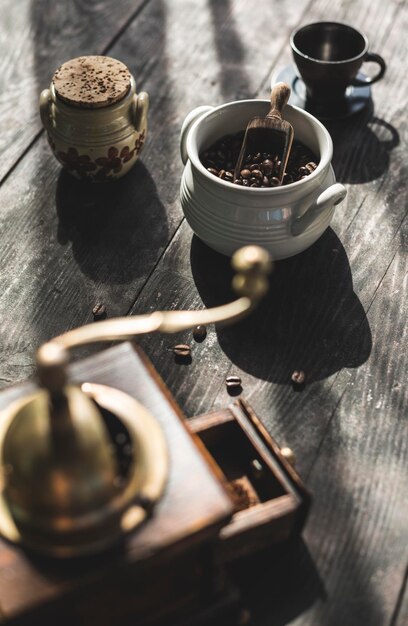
{"x":96,"y":144}
{"x":284,"y":220}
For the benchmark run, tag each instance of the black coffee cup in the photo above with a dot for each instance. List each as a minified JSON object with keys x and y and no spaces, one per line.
{"x":328,"y":56}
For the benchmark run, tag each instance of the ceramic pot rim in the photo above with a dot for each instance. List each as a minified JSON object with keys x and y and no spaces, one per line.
{"x":326,"y":153}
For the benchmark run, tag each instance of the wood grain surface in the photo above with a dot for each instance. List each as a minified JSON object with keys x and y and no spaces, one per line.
{"x":338,"y":311}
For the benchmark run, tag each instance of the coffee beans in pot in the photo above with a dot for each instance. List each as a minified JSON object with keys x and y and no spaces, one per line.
{"x":258,"y":170}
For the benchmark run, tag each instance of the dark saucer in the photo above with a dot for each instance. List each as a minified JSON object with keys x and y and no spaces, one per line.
{"x":356,"y":98}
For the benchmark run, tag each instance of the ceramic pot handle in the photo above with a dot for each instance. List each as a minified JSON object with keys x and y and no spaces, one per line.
{"x":331,"y":196}
{"x":45,"y":101}
{"x":185,"y":129}
{"x":140,"y":110}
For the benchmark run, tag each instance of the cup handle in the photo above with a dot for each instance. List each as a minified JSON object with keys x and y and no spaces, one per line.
{"x":45,"y":101}
{"x":331,"y":196}
{"x":187,"y":124}
{"x":375,"y":58}
{"x":140,"y":110}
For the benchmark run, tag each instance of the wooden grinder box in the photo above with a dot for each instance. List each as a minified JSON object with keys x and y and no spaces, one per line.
{"x":229,"y":493}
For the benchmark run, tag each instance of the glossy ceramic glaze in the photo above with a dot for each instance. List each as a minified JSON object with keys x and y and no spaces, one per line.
{"x":284,"y":220}
{"x":96,"y":144}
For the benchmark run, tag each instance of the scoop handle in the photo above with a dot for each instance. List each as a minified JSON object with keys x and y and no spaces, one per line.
{"x":280,"y":94}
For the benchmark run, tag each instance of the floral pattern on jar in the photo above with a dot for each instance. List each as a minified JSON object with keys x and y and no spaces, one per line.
{"x":102,"y":168}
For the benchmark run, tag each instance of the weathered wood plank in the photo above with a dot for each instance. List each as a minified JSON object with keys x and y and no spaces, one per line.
{"x":400,"y":616}
{"x":357,"y":531}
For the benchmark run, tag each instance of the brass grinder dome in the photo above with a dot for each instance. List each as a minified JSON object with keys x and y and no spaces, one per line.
{"x":80,"y":467}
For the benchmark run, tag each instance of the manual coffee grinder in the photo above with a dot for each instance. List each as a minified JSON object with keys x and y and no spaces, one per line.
{"x":113,"y":508}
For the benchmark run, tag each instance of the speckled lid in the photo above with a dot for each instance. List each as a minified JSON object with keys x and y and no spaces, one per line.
{"x":92,"y":82}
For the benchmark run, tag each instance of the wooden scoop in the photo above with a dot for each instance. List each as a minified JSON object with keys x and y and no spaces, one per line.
{"x":270,"y":134}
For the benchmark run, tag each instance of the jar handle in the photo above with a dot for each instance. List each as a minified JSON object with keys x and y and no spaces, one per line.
{"x":45,"y":101}
{"x":331,"y":196}
{"x":140,"y":109}
{"x":187,"y":124}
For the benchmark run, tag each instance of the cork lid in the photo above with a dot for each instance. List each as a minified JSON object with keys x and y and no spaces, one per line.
{"x":92,"y":82}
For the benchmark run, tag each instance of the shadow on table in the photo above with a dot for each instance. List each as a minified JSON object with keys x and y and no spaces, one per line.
{"x":279,"y":584}
{"x":310,"y":320}
{"x":113,"y":227}
{"x":362,"y":146}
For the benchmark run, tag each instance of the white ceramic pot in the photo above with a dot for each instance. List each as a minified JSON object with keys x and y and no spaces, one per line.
{"x":96,"y":144}
{"x":284,"y":220}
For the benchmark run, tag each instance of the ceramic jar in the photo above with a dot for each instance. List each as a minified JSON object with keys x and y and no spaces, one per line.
{"x":286,"y":219}
{"x":99,"y":144}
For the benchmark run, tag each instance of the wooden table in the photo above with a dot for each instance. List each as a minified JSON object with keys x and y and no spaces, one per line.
{"x":338,"y":311}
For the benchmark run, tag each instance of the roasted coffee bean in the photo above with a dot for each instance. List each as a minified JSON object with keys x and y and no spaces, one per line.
{"x":233,"y":382}
{"x":298,"y":377}
{"x":261,"y":168}
{"x":212,"y":170}
{"x":267,"y":167}
{"x":99,"y":312}
{"x":311,"y":167}
{"x":200,"y":333}
{"x":182,"y":350}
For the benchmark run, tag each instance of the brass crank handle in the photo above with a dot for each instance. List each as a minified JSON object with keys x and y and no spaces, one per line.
{"x":252,"y":265}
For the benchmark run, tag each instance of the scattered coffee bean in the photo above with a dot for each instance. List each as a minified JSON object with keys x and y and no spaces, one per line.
{"x":200,"y":333}
{"x":233,"y":382}
{"x":298,"y":377}
{"x":99,"y":312}
{"x":260,"y":170}
{"x":182,"y":350}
